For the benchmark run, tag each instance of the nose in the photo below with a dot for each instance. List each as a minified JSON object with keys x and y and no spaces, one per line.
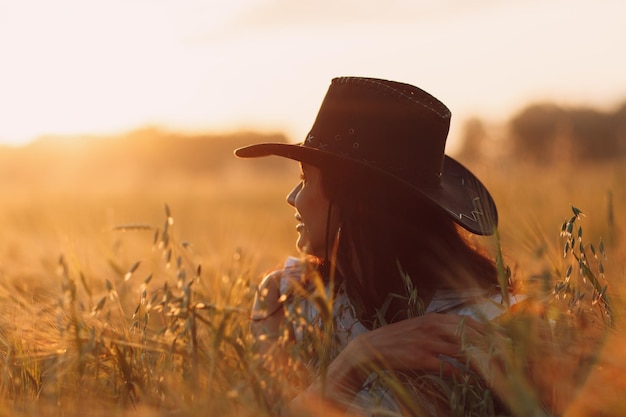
{"x":291,"y":197}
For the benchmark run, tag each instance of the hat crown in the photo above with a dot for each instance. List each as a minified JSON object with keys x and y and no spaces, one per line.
{"x":392,"y":126}
{"x":397,"y":133}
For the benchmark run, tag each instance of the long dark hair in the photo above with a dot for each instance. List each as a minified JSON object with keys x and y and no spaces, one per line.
{"x":388,"y":236}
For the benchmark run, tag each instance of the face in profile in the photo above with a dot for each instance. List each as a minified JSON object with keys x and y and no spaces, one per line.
{"x":311,"y":211}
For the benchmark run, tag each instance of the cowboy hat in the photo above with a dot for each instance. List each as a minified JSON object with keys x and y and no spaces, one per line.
{"x":397,"y":132}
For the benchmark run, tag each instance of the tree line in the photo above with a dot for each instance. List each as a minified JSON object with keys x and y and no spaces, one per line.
{"x":546,"y":132}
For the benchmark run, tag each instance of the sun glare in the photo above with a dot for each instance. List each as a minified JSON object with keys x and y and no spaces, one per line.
{"x":69,"y":72}
{"x":76,"y":67}
{"x":72,"y":67}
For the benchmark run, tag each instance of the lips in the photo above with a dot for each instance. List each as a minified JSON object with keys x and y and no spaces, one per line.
{"x":300,"y":225}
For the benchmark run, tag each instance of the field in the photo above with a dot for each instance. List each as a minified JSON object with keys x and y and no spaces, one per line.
{"x":126,"y":273}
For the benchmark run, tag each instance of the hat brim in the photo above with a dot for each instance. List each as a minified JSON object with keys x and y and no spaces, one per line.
{"x":460,"y":193}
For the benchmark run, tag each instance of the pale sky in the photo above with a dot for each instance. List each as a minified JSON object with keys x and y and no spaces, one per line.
{"x":87,"y":66}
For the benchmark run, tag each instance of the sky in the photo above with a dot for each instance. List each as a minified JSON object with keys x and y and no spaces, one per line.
{"x":104,"y":67}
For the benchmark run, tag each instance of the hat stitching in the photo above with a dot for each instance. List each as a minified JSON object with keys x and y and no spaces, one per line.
{"x":468,"y":209}
{"x":471,"y":217}
{"x":429,"y":103}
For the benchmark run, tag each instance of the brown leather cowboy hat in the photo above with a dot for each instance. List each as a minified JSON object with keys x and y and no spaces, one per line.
{"x":397,"y":132}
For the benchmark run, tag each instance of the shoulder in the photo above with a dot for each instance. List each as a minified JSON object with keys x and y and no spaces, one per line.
{"x":274,"y":287}
{"x":269,"y":287}
{"x":268,"y":298}
{"x":280,"y":281}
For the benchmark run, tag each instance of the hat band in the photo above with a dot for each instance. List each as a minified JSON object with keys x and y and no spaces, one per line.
{"x":424,"y":178}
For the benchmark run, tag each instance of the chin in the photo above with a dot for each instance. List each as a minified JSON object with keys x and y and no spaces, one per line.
{"x":302,"y":243}
{"x":313,"y":252}
{"x":306,"y":249}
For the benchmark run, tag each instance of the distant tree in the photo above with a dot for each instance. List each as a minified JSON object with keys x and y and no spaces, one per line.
{"x":543,"y":133}
{"x":534,"y":131}
{"x":472,"y":140}
{"x":618,"y":122}
{"x":592,"y":135}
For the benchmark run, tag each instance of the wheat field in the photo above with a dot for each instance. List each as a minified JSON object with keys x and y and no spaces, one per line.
{"x":125,"y":285}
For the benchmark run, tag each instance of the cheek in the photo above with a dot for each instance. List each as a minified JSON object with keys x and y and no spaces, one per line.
{"x":311,"y":208}
{"x":305,"y":204}
{"x":314,"y":213}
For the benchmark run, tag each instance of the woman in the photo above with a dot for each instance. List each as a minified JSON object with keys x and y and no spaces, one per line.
{"x":380,"y":213}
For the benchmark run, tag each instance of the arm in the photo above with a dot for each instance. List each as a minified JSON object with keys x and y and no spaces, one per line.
{"x":410,"y":344}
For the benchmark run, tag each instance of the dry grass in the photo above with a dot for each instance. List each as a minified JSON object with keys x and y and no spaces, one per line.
{"x":112,"y":305}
